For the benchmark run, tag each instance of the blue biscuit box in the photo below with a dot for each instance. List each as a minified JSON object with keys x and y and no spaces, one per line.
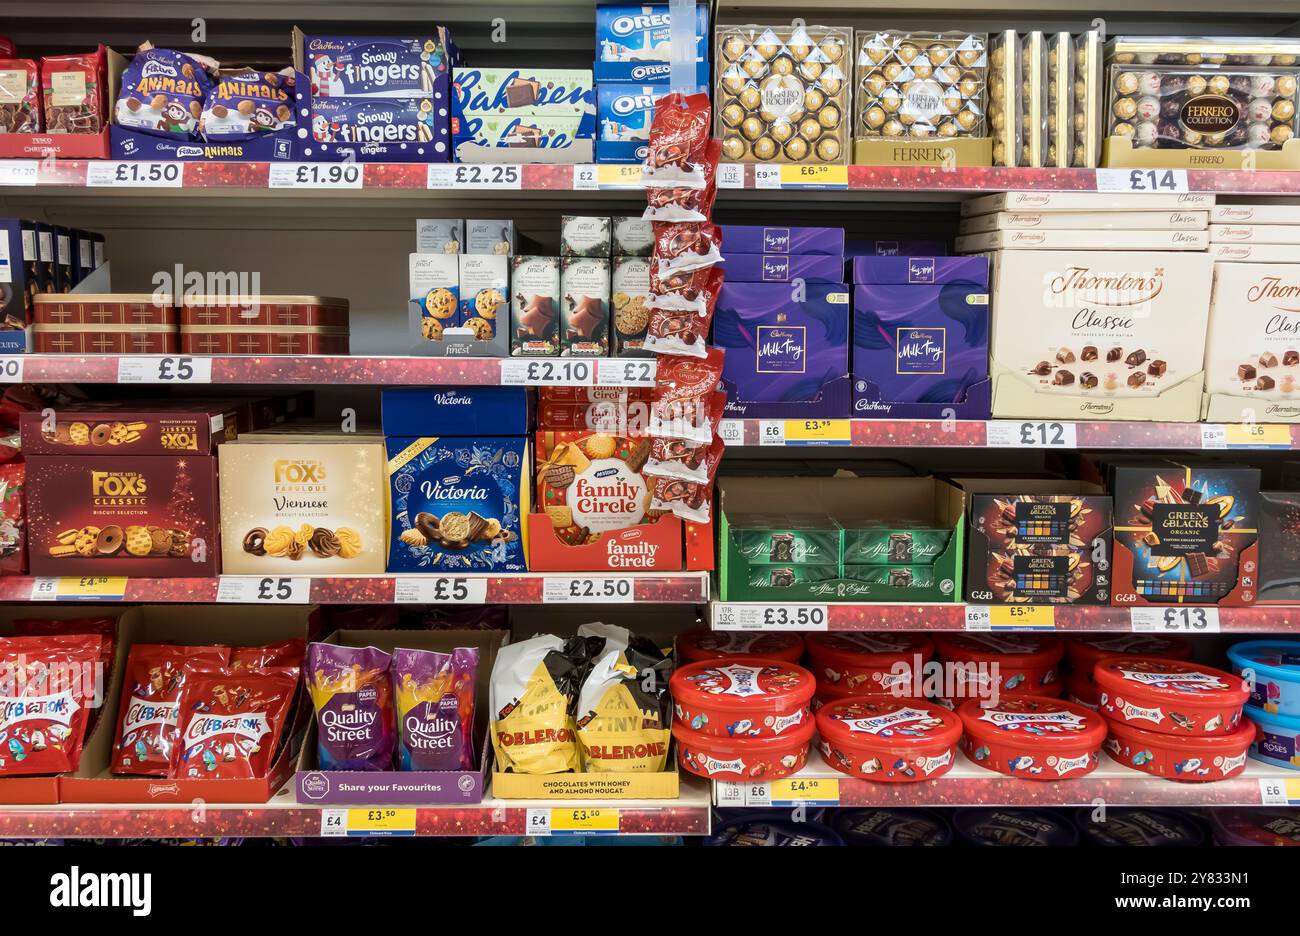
{"x":411,"y":129}
{"x":376,"y":66}
{"x":455,"y":411}
{"x":634,"y":43}
{"x":457,"y":503}
{"x":624,"y":113}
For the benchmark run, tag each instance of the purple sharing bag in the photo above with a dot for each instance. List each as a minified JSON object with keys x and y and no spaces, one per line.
{"x":435,"y":708}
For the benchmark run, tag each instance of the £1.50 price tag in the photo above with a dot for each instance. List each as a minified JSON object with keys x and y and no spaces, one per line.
{"x":133,"y":174}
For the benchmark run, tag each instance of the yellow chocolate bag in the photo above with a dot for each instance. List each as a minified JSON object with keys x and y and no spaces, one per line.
{"x":624,"y":710}
{"x":532,"y":694}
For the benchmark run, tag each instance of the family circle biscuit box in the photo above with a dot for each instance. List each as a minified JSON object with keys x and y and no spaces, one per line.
{"x":456,"y":504}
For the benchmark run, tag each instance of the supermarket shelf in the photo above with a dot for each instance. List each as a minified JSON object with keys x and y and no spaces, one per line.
{"x":534,"y":588}
{"x":969,"y":785}
{"x":282,"y":816}
{"x":1186,"y":619}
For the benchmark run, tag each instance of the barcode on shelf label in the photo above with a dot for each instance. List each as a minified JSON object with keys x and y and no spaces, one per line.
{"x":1010,"y":434}
{"x":587,"y":589}
{"x":731,"y":175}
{"x":342,"y":175}
{"x":1183,"y":620}
{"x":1275,"y":791}
{"x":474,"y":176}
{"x":439,"y":589}
{"x":628,"y":372}
{"x":164,"y":370}
{"x":770,"y":617}
{"x":264,"y":589}
{"x":585,"y":178}
{"x":135,"y":174}
{"x":732,"y":431}
{"x":18,"y":171}
{"x":1142,"y":180}
{"x":555,"y":372}
{"x":12,"y":368}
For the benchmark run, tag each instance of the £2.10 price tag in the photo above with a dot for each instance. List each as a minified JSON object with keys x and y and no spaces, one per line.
{"x":264,"y":589}
{"x":1189,"y":619}
{"x":164,"y":370}
{"x":555,"y":372}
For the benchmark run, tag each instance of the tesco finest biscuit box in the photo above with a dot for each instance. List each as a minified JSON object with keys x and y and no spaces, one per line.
{"x":1252,"y":348}
{"x":306,"y":503}
{"x":107,"y":513}
{"x":1098,"y":334}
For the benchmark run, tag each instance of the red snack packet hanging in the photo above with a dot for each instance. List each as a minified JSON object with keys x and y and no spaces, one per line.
{"x":696,"y":291}
{"x":151,"y":689}
{"x":104,"y":627}
{"x":686,"y":202}
{"x":230,"y":722}
{"x":680,"y":134}
{"x":285,"y":653}
{"x":685,"y":246}
{"x":13,"y":519}
{"x":685,"y":401}
{"x":689,"y":500}
{"x":689,"y":461}
{"x":47,"y":685}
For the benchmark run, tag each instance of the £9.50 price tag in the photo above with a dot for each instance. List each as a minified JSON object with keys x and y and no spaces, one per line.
{"x":1184,"y":620}
{"x":164,"y":370}
{"x":264,"y":589}
{"x":440,"y":589}
{"x":1053,"y":435}
{"x":341,"y":175}
{"x":135,"y":174}
{"x":587,"y":589}
{"x":1142,"y":180}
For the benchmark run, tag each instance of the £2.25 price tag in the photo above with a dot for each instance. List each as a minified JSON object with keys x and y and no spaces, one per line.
{"x":480,"y":176}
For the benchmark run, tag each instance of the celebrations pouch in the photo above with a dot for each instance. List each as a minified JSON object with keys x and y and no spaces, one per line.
{"x":284,"y":653}
{"x":685,"y":401}
{"x":151,"y":692}
{"x":231,"y":722}
{"x":624,"y":711}
{"x":533,"y":693}
{"x":46,"y":687}
{"x":105,"y":627}
{"x":352,"y":692}
{"x":247,"y":103}
{"x":163,"y":92}
{"x":696,"y":291}
{"x":680,"y":135}
{"x":689,"y":461}
{"x":684,"y":246}
{"x":685,"y":202}
{"x":435,"y":708}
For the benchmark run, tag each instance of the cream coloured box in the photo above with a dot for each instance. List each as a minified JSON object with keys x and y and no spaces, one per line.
{"x":1287,"y":212}
{"x":1086,"y":221}
{"x":1083,"y":240}
{"x":303,"y":504}
{"x":1098,"y":335}
{"x":1086,"y":201}
{"x":1252,"y":348}
{"x":1254,"y":234}
{"x":1255,"y":253}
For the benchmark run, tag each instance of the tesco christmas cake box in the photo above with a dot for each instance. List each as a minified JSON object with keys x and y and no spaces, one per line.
{"x":1085,"y":221}
{"x":73,"y":125}
{"x":455,"y":411}
{"x":456,"y":504}
{"x":1083,"y":240}
{"x":857,"y":505}
{"x":374,"y":66}
{"x":783,"y":268}
{"x":314,"y":785}
{"x":763,"y":239}
{"x":1252,"y":348}
{"x":94,"y":781}
{"x":1098,"y":335}
{"x":786,"y":357}
{"x":121,"y":427}
{"x":624,"y":113}
{"x":635,"y":43}
{"x":413,"y":129}
{"x":1041,"y":201}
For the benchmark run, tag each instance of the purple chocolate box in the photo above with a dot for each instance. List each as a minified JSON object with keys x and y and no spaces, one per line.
{"x":920,"y":271}
{"x":754,"y":239}
{"x":895,"y":248}
{"x":782,"y":268}
{"x":784,"y":358}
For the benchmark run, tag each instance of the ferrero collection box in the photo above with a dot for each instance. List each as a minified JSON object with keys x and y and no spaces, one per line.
{"x":1252,"y":351}
{"x":305,"y":500}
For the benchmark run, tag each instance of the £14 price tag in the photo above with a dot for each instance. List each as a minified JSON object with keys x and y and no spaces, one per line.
{"x":164,"y":370}
{"x":135,"y":174}
{"x":264,"y":589}
{"x":440,"y":589}
{"x":1142,"y":180}
{"x":316,"y":175}
{"x":586,"y":589}
{"x":1183,"y":620}
{"x":1053,"y":435}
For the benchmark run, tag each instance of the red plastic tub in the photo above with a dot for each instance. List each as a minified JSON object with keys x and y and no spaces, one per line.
{"x":1084,"y":653}
{"x":741,"y":758}
{"x":864,"y":664}
{"x":1190,"y":758}
{"x":1032,"y":737}
{"x":742,"y":697}
{"x":699,"y":645}
{"x":1027,"y":663}
{"x":1170,"y":696}
{"x":1080,"y":688}
{"x":891,"y":740}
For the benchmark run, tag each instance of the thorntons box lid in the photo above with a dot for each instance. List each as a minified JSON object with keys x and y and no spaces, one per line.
{"x":1086,"y":221}
{"x":1254,"y":253}
{"x":1254,"y":234}
{"x":927,"y":271}
{"x":1086,"y":201}
{"x":754,"y":239}
{"x":1252,"y":347}
{"x":1084,"y":240}
{"x":1287,"y":212}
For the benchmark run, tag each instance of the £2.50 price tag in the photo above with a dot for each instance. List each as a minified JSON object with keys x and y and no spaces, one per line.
{"x":586,"y":589}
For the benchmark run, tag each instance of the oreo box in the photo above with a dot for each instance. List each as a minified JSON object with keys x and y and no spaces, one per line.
{"x":456,"y":504}
{"x":375,"y":66}
{"x":17,"y":283}
{"x":634,"y":43}
{"x":624,"y":113}
{"x":382,"y":129}
{"x":455,"y":411}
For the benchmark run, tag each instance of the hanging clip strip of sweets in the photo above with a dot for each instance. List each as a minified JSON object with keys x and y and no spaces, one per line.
{"x":689,"y":461}
{"x":679,"y":142}
{"x":685,"y":202}
{"x":683,"y":246}
{"x":47,"y":685}
{"x":231,"y":722}
{"x":353,"y":696}
{"x":687,"y":403}
{"x":435,"y":708}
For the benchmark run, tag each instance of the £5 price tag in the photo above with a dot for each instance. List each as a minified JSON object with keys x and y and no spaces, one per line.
{"x":264,"y":589}
{"x":164,"y":370}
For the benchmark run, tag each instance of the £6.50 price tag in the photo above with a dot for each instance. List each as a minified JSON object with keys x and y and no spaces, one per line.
{"x":264,"y":589}
{"x":548,"y":373}
{"x":1184,"y":620}
{"x":1142,"y":180}
{"x":164,"y":370}
{"x":341,"y":175}
{"x":1007,"y":434}
{"x":586,"y":589}
{"x":474,"y":176}
{"x":135,"y":174}
{"x":440,"y":589}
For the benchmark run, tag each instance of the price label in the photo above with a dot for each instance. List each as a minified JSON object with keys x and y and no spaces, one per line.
{"x":264,"y":589}
{"x":771,"y":432}
{"x":729,"y":793}
{"x":135,"y":174}
{"x":1010,"y":617}
{"x":12,"y":368}
{"x":1036,"y":435}
{"x":164,"y":370}
{"x":587,"y":589}
{"x":474,"y":176}
{"x":342,"y":175}
{"x":1256,"y":435}
{"x":730,"y":175}
{"x":585,"y":178}
{"x":87,"y":588}
{"x":817,"y":432}
{"x":764,"y":617}
{"x":732,"y":431}
{"x":1279,"y":792}
{"x":619,"y":176}
{"x":627,"y":372}
{"x":1142,"y":180}
{"x":551,"y":372}
{"x":579,"y":821}
{"x":440,"y":589}
{"x":767,"y":177}
{"x":337,"y":823}
{"x":814,"y":176}
{"x":796,"y":791}
{"x":1184,"y":620}
{"x":18,"y":171}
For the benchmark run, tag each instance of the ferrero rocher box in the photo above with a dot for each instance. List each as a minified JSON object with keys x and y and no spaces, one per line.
{"x":302,"y":502}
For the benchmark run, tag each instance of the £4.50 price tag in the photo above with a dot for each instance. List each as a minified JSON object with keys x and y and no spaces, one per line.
{"x":341,"y":175}
{"x":1053,"y":435}
{"x":164,"y":370}
{"x":135,"y":174}
{"x":1142,"y":180}
{"x":335,"y":823}
{"x":264,"y":589}
{"x":810,"y":791}
{"x":1184,"y":620}
{"x":85,"y":588}
{"x":586,"y":589}
{"x":440,"y":589}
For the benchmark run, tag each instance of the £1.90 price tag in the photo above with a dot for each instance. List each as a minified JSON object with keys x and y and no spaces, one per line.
{"x":135,"y":174}
{"x":341,"y":175}
{"x":264,"y":589}
{"x":1144,"y":181}
{"x":1052,"y":435}
{"x":586,"y":589}
{"x":550,"y":372}
{"x":1184,"y":620}
{"x":164,"y":370}
{"x":474,"y":176}
{"x":440,"y":589}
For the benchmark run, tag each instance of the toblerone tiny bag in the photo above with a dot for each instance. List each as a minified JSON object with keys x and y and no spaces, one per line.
{"x":624,"y":711}
{"x":532,"y":693}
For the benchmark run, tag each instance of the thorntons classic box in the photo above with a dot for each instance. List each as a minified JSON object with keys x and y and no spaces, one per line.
{"x":1185,"y":534}
{"x":1098,"y":335}
{"x":305,"y":503}
{"x":1252,"y":348}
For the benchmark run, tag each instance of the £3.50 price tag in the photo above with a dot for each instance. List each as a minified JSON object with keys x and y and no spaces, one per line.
{"x":164,"y":370}
{"x":439,"y":589}
{"x":747,"y":616}
{"x":133,"y":174}
{"x":1184,"y":620}
{"x":335,"y":823}
{"x":316,"y":175}
{"x":586,"y":589}
{"x":264,"y":589}
{"x":1053,"y":435}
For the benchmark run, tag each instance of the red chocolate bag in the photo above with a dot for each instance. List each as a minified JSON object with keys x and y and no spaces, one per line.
{"x":147,"y":714}
{"x":104,"y":627}
{"x":13,"y":519}
{"x":688,"y":500}
{"x":285,"y":653}
{"x":686,"y":246}
{"x":231,"y":722}
{"x":696,"y":291}
{"x":690,"y":461}
{"x":686,"y":202}
{"x":20,"y":96}
{"x":687,"y":403}
{"x":46,"y":687}
{"x":680,"y":134}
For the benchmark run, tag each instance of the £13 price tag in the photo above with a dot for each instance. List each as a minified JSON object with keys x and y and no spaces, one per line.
{"x":440,"y":589}
{"x":586,"y":589}
{"x":1188,"y":619}
{"x":164,"y":370}
{"x":135,"y":174}
{"x":628,"y":372}
{"x":1054,"y":435}
{"x":1142,"y":180}
{"x":555,"y":372}
{"x":264,"y":589}
{"x":342,"y":175}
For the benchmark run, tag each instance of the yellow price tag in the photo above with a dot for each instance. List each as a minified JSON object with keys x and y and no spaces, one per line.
{"x":800,"y":174}
{"x":628,"y":176}
{"x":584,"y":820}
{"x":1257,"y":434}
{"x":805,"y":790}
{"x":381,"y":821}
{"x":106,"y":588}
{"x":824,"y":431}
{"x":1022,"y":616}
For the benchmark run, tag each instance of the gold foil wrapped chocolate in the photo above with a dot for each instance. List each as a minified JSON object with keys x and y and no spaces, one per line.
{"x":916,"y":86}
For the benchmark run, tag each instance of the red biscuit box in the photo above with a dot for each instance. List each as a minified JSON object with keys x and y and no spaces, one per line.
{"x":889,"y":740}
{"x":1033,"y":737}
{"x":128,"y":429}
{"x":110,"y":323}
{"x":264,"y":325}
{"x":1170,"y":696}
{"x":109,"y":514}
